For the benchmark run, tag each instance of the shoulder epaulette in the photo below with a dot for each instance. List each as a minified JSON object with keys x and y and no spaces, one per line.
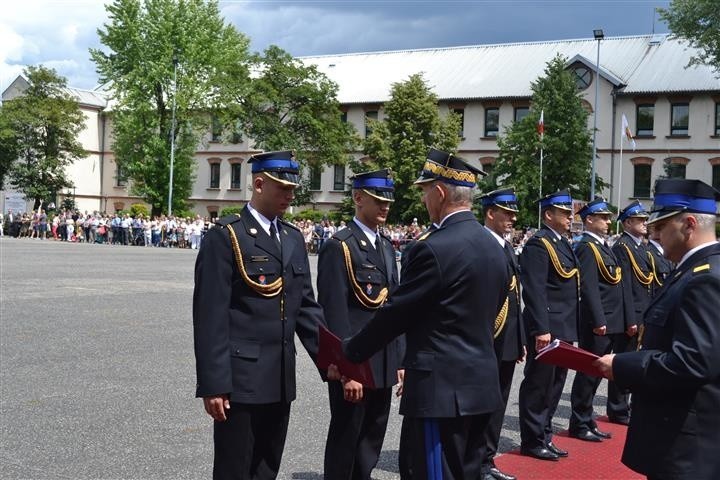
{"x":702,"y":268}
{"x":291,"y":225}
{"x":343,"y":234}
{"x":227,"y":220}
{"x":426,"y":234}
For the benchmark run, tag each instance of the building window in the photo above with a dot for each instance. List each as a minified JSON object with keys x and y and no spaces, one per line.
{"x":716,"y":176}
{"x":676,"y":170}
{"x":214,"y":175}
{"x":216,"y":129}
{"x":370,"y":115}
{"x":339,"y":178}
{"x":236,"y":175}
{"x":488,"y":168}
{"x":520,"y":113}
{"x":582,"y":77}
{"x":679,"y":119}
{"x":120,"y":176}
{"x":315,"y":177}
{"x":641,"y":184}
{"x":492,"y":121}
{"x":460,"y":112}
{"x":343,"y":117}
{"x":717,"y":119}
{"x":645,"y":120}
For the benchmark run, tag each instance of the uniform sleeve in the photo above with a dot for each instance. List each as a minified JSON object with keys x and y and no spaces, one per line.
{"x":534,"y":264}
{"x":211,"y":314}
{"x":636,"y":310}
{"x":694,"y":356}
{"x":333,"y":289}
{"x":310,"y":316}
{"x":592,"y":311}
{"x":416,"y":293}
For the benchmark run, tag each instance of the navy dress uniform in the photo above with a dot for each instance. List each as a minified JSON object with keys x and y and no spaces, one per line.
{"x":659,"y":265}
{"x":253,"y":293}
{"x":605,"y":302}
{"x":508,"y":332}
{"x":550,"y":290}
{"x":356,"y":275}
{"x":454,"y":283}
{"x":674,"y":430}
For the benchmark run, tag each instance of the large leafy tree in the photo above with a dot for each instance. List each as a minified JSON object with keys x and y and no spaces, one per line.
{"x":567,"y":144}
{"x":401,"y":142}
{"x":698,"y":22}
{"x":145,"y":44}
{"x":293,"y":106}
{"x":39,"y":133}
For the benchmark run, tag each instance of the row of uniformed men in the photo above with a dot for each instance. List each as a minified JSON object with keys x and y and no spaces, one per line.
{"x":459,"y":298}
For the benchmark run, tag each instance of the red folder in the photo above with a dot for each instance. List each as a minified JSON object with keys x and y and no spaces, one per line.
{"x":330,"y":352}
{"x":563,"y":354}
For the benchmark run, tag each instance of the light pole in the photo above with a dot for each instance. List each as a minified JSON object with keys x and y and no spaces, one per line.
{"x":599,"y":35}
{"x":172,"y":135}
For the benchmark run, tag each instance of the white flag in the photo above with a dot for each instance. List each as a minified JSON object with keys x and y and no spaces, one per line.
{"x":626,"y":133}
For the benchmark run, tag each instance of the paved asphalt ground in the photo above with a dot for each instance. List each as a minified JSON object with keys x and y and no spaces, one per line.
{"x":97,"y":371}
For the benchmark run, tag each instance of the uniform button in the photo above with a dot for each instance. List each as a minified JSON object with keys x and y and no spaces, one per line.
{"x":284,"y":342}
{"x":237,"y":352}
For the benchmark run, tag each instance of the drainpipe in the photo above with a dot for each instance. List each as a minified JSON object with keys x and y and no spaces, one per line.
{"x":612,"y":146}
{"x":102,"y":159}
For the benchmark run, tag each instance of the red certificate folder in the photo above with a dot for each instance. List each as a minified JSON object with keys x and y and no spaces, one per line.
{"x":563,"y":354}
{"x":330,"y":352}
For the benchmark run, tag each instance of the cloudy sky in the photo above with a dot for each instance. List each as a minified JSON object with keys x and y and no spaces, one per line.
{"x":58,"y":33}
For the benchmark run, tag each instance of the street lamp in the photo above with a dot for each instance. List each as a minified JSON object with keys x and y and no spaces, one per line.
{"x":599,"y":35}
{"x":172,"y":134}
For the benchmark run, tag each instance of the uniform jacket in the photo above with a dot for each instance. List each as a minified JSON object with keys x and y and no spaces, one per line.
{"x":344,"y":312}
{"x":675,"y":378}
{"x":551,"y":302}
{"x":640,"y":293}
{"x":453,"y":285}
{"x":244,"y":342}
{"x":602,"y":303}
{"x":662,"y":267}
{"x":510,"y":341}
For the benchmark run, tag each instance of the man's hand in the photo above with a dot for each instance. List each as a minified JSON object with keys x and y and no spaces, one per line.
{"x":604,"y":363}
{"x":353,"y":391}
{"x":542,"y":341}
{"x":522,"y":355}
{"x":216,"y":405}
{"x":401,"y":380}
{"x":631,"y":330}
{"x":600,"y":330}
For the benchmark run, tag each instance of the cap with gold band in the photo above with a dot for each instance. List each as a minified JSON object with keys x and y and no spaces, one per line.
{"x":673,"y":196}
{"x":279,"y":166}
{"x":597,"y":207}
{"x":634,"y":210}
{"x":560,"y":199}
{"x":448,"y":168}
{"x":504,"y":198}
{"x":378,"y":184}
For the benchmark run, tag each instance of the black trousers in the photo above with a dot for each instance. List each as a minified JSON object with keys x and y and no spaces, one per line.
{"x":447,"y":448}
{"x":405,"y":450}
{"x":492,"y":432}
{"x":249,"y":444}
{"x":585,"y":386}
{"x":356,"y":433}
{"x":539,"y":396}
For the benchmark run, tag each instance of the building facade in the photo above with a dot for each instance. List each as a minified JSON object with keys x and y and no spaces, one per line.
{"x":673,"y":112}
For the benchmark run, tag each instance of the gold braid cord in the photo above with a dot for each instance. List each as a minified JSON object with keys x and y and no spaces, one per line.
{"x":641,"y":277}
{"x":612,"y":280}
{"x":269,"y":290}
{"x":654,"y":274}
{"x":357,"y":289}
{"x":556,"y":262}
{"x":502,"y":315}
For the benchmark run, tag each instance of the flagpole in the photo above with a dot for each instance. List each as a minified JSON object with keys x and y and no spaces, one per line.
{"x":541,"y":177}
{"x":617,"y":221}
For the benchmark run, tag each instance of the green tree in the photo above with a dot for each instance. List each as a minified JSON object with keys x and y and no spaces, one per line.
{"x":38,"y":136}
{"x":293,"y":106}
{"x":146,"y":43}
{"x":567,"y":144}
{"x":698,"y":22}
{"x":401,"y":142}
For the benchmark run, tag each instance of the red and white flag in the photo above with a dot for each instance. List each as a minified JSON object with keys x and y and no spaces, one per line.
{"x":541,"y":124}
{"x":626,"y":133}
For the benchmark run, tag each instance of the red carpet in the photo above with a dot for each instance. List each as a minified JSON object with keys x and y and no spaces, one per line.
{"x":586,"y":460}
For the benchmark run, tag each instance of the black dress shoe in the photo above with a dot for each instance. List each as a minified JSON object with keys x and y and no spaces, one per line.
{"x":600,"y":433}
{"x":619,"y":420}
{"x":540,"y":453}
{"x":498,"y":475}
{"x":586,"y":435}
{"x":557,"y":451}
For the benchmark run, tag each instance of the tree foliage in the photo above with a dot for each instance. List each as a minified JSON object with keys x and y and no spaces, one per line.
{"x":39,"y":133}
{"x":401,"y":142}
{"x":146,"y":43}
{"x":567,"y":144}
{"x":698,"y":22}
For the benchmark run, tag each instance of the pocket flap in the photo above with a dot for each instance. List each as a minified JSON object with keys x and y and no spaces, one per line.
{"x":261,"y":268}
{"x":422,"y":361}
{"x":369,"y":276}
{"x":299,"y":269}
{"x":245,"y":348}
